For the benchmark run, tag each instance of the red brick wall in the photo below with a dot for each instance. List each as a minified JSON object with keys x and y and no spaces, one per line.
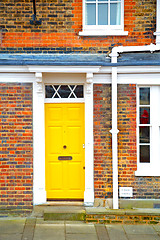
{"x":143,"y":187}
{"x":16,"y":146}
{"x":102,"y":141}
{"x":61,"y":23}
{"x":127,"y":146}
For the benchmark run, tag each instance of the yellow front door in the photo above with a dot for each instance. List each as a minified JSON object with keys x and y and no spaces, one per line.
{"x":64,"y":125}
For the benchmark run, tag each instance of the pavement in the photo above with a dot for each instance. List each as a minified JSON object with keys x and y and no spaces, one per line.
{"x":32,"y":228}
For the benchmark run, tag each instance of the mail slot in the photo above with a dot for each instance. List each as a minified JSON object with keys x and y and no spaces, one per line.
{"x":63,"y":158}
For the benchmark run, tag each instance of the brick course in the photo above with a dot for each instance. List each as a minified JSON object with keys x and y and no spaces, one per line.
{"x":16,"y":146}
{"x":61,"y":23}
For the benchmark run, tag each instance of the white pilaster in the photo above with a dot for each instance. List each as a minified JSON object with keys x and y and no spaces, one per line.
{"x":89,"y":167}
{"x":39,"y":194}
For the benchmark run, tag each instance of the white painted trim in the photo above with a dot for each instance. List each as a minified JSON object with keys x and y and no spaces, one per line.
{"x":130,"y":69}
{"x":81,"y":70}
{"x":102,"y":78}
{"x":17,"y":77}
{"x":89,"y":159}
{"x":39,"y":193}
{"x":64,"y":100}
{"x":50,"y":69}
{"x":97,"y":32}
{"x":140,"y":79}
{"x":147,"y":173}
{"x":39,"y":190}
{"x":64,"y":69}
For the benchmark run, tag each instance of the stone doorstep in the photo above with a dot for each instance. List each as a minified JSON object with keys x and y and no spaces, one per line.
{"x":68,"y":213}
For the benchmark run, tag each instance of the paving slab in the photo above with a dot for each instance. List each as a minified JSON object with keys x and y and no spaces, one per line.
{"x":49,"y":232}
{"x":80,"y":228}
{"x":41,"y":221}
{"x":81,"y":236}
{"x":14,"y":236}
{"x":139,"y":229}
{"x":157,"y":228}
{"x":143,"y":237}
{"x":12,"y":226}
{"x":116,"y":232}
{"x":101,"y":232}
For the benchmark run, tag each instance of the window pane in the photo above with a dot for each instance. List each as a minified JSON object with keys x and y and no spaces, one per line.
{"x":115,"y":14}
{"x":144,"y":154}
{"x":49,"y":91}
{"x":144,"y":115}
{"x":102,"y":14}
{"x":79,"y":91}
{"x":91,"y":14}
{"x":144,"y":95}
{"x":144,"y":134}
{"x":64,"y":91}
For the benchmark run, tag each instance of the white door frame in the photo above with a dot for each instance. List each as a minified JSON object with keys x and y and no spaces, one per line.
{"x":39,"y":193}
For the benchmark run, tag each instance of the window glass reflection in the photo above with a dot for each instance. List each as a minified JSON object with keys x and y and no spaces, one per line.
{"x":144,"y":134}
{"x":91,"y":14}
{"x":144,"y":96}
{"x":144,"y":115}
{"x":102,"y":14}
{"x":144,"y":154}
{"x":115,"y":16}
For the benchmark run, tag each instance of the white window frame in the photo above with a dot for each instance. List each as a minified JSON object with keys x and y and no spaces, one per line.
{"x":103,"y":30}
{"x":65,"y":100}
{"x":152,"y":168}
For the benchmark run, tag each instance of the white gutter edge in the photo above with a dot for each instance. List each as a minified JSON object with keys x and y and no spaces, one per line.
{"x":114,"y":54}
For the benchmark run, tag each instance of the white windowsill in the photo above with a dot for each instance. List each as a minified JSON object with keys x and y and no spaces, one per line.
{"x":147,"y":173}
{"x":103,"y":33}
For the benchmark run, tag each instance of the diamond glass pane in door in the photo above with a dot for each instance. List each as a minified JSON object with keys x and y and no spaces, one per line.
{"x":49,"y":91}
{"x":79,"y":91}
{"x":64,"y":91}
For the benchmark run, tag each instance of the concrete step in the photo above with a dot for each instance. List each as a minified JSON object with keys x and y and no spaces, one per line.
{"x":68,"y":213}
